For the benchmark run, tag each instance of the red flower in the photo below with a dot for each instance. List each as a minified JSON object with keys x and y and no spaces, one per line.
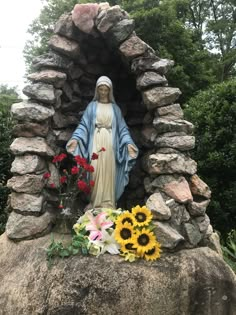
{"x":103,"y":149}
{"x":63,"y":179}
{"x":79,"y":160}
{"x":83,"y":186}
{"x":89,"y":168}
{"x":94,"y":156}
{"x":92,"y":183}
{"x":46,"y":175}
{"x":60,"y":206}
{"x":59,"y":158}
{"x":74,"y":170}
{"x":52,"y":185}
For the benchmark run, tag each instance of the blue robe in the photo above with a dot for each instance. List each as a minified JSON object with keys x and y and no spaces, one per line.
{"x":84,"y":134}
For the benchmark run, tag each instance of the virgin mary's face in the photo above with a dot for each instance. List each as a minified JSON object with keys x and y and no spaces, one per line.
{"x":103,"y":91}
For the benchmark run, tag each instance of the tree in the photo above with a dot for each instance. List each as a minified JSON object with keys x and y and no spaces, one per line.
{"x":214,"y":114}
{"x":8,"y":96}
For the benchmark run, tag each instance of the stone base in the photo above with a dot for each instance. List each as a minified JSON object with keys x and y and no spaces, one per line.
{"x":192,"y":282}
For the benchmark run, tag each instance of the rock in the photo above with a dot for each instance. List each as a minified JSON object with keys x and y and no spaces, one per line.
{"x":29,"y":183}
{"x":133,"y":47}
{"x":109,"y":18}
{"x":121,"y":31}
{"x":160,"y":96}
{"x":35,"y":145}
{"x":26,"y":203}
{"x":20,"y":227}
{"x":193,"y":234}
{"x":52,"y":60}
{"x":198,"y":208}
{"x":179,"y":190}
{"x":143,"y":64}
{"x":66,"y":27}
{"x":28,"y":164}
{"x":64,"y":121}
{"x":148,"y":136}
{"x":56,"y":78}
{"x":213,"y":241}
{"x":209,"y":285}
{"x":41,"y":92}
{"x":30,"y":129}
{"x":150,"y":79}
{"x":63,"y":136}
{"x":75,"y":72}
{"x":55,"y":176}
{"x":163,"y":125}
{"x":182,"y":143}
{"x":169,"y":164}
{"x":83,"y":16}
{"x":65,"y":46}
{"x":148,"y":118}
{"x":202,"y":222}
{"x":179,"y":215}
{"x":199,"y":188}
{"x":28,"y":110}
{"x":170,"y":112}
{"x":158,"y":207}
{"x":167,"y":236}
{"x":58,"y":94}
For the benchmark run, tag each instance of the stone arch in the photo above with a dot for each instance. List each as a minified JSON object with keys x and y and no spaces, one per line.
{"x":105,"y":43}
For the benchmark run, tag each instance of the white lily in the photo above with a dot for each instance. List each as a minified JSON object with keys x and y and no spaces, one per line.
{"x":107,"y":243}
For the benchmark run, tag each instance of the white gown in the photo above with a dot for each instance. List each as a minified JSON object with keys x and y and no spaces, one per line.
{"x":103,"y":192}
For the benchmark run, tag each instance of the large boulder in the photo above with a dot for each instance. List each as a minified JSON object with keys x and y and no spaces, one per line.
{"x":193,"y":282}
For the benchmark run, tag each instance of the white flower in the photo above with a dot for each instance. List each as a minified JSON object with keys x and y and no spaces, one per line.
{"x":107,"y":243}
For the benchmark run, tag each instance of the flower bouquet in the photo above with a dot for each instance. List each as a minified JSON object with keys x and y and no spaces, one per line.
{"x":129,"y":234}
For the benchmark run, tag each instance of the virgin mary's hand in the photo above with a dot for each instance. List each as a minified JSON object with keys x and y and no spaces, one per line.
{"x":132,"y":151}
{"x":71,"y":146}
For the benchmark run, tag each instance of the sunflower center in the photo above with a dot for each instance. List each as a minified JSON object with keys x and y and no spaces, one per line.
{"x":143,"y":239}
{"x":140,"y":217}
{"x":127,"y":220}
{"x":125,"y":233}
{"x":151,"y":251}
{"x":129,"y":246}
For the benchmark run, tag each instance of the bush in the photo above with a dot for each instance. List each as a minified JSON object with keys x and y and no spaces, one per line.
{"x":7,"y":97}
{"x":214,"y":114}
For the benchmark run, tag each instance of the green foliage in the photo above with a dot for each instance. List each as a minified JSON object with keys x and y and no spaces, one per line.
{"x":8,"y":96}
{"x":213,"y":113}
{"x":229,"y":250}
{"x":78,"y":245}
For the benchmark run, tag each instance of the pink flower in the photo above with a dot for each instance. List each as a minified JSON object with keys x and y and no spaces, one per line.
{"x":96,"y":225}
{"x":103,"y":149}
{"x":52,"y":185}
{"x":46,"y":175}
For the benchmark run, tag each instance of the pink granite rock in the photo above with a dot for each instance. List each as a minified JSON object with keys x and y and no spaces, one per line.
{"x":179,"y":190}
{"x":133,"y":47}
{"x":199,"y":188}
{"x":83,"y":16}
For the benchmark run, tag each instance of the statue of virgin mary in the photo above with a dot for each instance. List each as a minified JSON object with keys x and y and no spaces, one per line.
{"x":103,"y":126}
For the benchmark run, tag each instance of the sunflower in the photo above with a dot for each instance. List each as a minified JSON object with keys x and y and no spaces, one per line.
{"x":144,"y":240}
{"x":127,"y":247}
{"x":153,"y":253}
{"x":142,"y":215}
{"x":126,"y":216}
{"x":124,"y":232}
